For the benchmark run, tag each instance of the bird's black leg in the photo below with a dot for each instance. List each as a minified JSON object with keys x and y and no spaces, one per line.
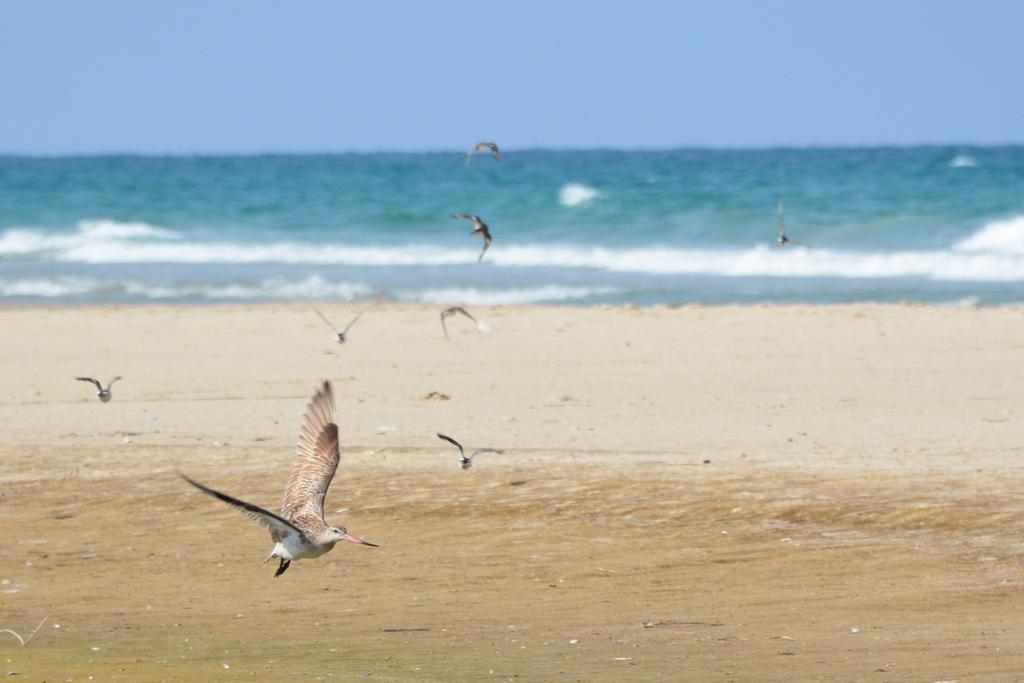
{"x":282,"y":568}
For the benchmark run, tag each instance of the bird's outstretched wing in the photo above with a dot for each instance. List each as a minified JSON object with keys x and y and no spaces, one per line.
{"x":353,"y":322}
{"x":487,"y":243}
{"x":452,"y":311}
{"x":444,"y":324}
{"x":477,"y":222}
{"x":329,"y":323}
{"x":463,"y":311}
{"x":111,"y":382}
{"x":99,"y":387}
{"x":480,"y":147}
{"x":316,"y":458}
{"x":467,"y":462}
{"x":278,"y":526}
{"x":452,"y":442}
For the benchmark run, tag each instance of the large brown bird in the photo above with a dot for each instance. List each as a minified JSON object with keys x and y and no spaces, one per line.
{"x":301,"y":531}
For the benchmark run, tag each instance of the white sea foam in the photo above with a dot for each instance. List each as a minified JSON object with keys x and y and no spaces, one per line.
{"x":310,"y":288}
{"x":995,"y":253}
{"x":99,"y":232}
{"x":313,"y":287}
{"x":574,"y":194}
{"x":963,"y":161}
{"x":18,"y":241}
{"x":967,"y":262}
{"x":57,"y":288}
{"x":279,"y":252}
{"x":768,"y":261}
{"x":962,"y":302}
{"x":473,"y":296}
{"x":119,"y":243}
{"x":104,"y":228}
{"x":998,"y":237}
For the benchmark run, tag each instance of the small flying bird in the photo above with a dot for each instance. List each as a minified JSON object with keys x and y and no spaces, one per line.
{"x":301,"y":531}
{"x":104,"y":394}
{"x":449,"y":312}
{"x":483,"y":147}
{"x":464,"y":460}
{"x":339,"y":335}
{"x":783,"y":240}
{"x":479,"y":228}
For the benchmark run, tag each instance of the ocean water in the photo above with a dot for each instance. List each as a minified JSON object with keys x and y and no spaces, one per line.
{"x":930,"y":224}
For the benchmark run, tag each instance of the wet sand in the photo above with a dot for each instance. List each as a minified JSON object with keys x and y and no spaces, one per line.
{"x":858,"y":518}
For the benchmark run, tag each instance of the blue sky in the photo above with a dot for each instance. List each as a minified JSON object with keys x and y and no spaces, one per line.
{"x":231,"y":76}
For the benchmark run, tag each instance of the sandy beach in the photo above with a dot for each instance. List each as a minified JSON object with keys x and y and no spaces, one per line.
{"x":765,"y":493}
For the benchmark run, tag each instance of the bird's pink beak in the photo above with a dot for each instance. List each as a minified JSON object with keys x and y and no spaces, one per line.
{"x":352,"y":539}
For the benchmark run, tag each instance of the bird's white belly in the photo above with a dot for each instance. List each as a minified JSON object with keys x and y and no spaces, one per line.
{"x":294,"y":547}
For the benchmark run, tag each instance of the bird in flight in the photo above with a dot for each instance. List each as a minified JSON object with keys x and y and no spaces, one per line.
{"x":449,"y":312}
{"x":783,"y":240}
{"x":339,"y":336}
{"x":479,"y":228}
{"x":483,"y":147}
{"x":464,"y":460}
{"x":104,"y":394}
{"x":301,"y":531}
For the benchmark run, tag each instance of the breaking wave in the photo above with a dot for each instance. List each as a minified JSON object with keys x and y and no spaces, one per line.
{"x":104,"y":228}
{"x":271,"y":289}
{"x":575,"y":194}
{"x":483,"y":297}
{"x":995,"y":253}
{"x":963,"y":161}
{"x":27,"y":242}
{"x":998,"y":237}
{"x":313,"y":287}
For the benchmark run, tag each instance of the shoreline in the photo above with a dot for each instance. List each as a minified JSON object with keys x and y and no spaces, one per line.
{"x":390,"y":303}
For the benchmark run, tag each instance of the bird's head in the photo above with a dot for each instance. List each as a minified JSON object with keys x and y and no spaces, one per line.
{"x":341,"y":534}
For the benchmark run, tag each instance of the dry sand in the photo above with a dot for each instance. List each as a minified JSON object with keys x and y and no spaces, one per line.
{"x":860,"y":517}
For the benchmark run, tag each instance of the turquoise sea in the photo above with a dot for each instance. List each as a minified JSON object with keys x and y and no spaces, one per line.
{"x":931,"y":224}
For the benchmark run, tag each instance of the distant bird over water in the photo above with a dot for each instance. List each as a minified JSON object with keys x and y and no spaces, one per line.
{"x":449,"y":312}
{"x":466,"y":461}
{"x":783,"y":240}
{"x":104,"y":394}
{"x":479,"y":228}
{"x":483,"y":147}
{"x":300,"y":531}
{"x":339,"y":336}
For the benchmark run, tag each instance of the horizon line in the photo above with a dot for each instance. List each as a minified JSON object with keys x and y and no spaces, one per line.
{"x":513,"y":149}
